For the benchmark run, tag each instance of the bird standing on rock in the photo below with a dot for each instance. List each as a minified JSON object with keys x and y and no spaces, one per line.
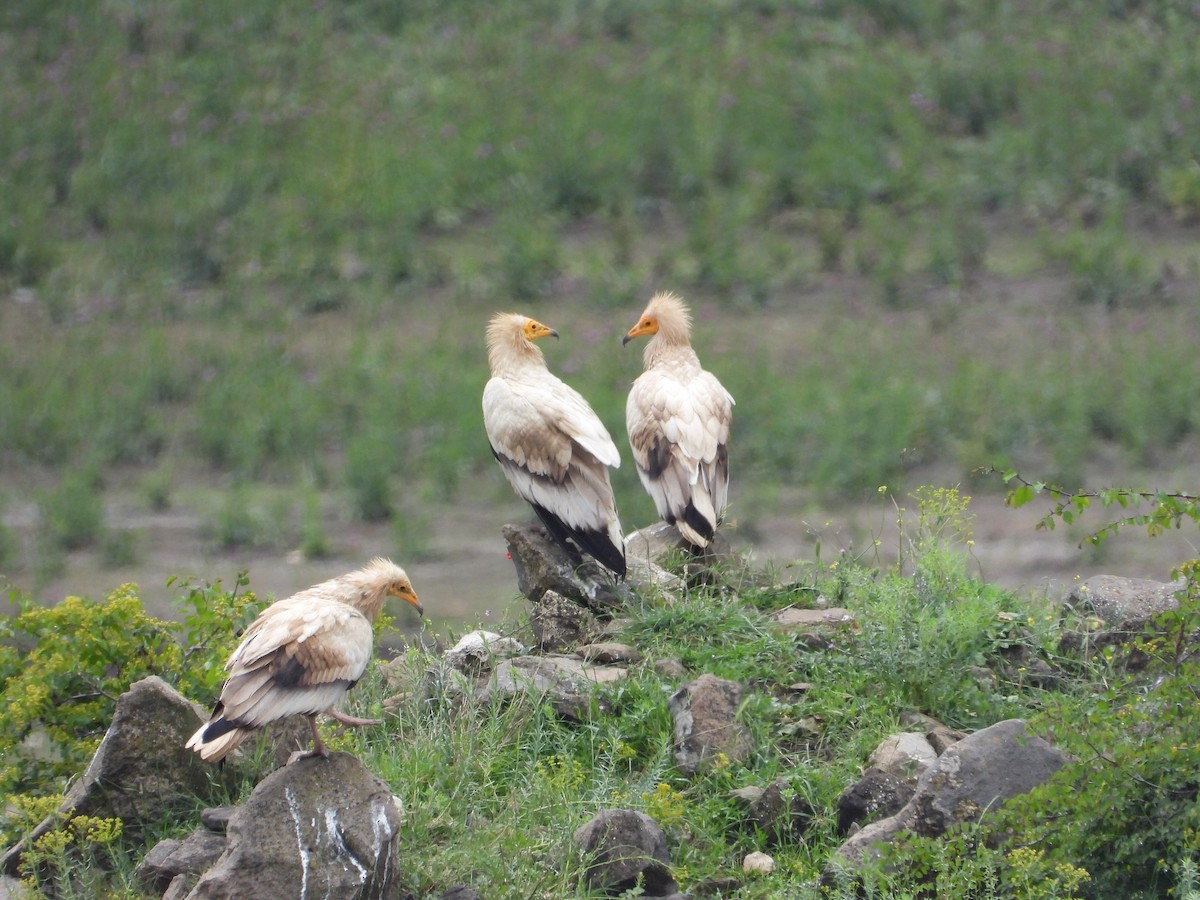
{"x":552,"y":447}
{"x":302,"y":655}
{"x":678,"y":417}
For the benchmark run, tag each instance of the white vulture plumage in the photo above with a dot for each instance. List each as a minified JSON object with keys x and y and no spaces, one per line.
{"x":301,"y":656}
{"x":552,"y":447}
{"x":678,"y":419}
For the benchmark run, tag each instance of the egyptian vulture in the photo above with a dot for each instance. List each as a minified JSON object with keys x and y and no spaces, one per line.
{"x":302,"y":655}
{"x":678,"y":418}
{"x":553,"y":449}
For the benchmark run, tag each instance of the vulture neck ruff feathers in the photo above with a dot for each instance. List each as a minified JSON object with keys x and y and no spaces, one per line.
{"x":674,"y":327}
{"x":508,"y":349}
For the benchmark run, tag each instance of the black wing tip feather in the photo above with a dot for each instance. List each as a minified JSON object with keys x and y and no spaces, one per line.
{"x":216,"y":728}
{"x":595,"y":544}
{"x":698,"y":523}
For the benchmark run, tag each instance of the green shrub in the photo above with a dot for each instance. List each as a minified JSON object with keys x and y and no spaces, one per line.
{"x":1131,"y":792}
{"x":62,"y":668}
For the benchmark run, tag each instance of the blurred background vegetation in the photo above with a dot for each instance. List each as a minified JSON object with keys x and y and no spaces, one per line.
{"x":247,"y":250}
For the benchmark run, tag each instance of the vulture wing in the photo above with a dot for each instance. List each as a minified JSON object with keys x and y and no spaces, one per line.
{"x":555,"y":452}
{"x":296,"y":658}
{"x":679,"y":433}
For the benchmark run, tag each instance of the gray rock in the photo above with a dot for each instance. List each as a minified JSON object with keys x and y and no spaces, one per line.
{"x":542,"y":565}
{"x":1124,"y":603}
{"x":776,"y":811}
{"x":655,"y":543}
{"x":973,"y":777}
{"x":1120,"y":610}
{"x":326,"y":825}
{"x":476,"y":651}
{"x":610,"y":652}
{"x":874,"y":796}
{"x":462,"y":892}
{"x":561,"y":624}
{"x":179,"y":888}
{"x":671,"y":667}
{"x":835,"y":617}
{"x":705,"y":714}
{"x":141,"y":771}
{"x":623,"y":849}
{"x":216,"y":818}
{"x":979,"y":772}
{"x":170,"y":858}
{"x":905,"y":755}
{"x":565,"y":681}
{"x":12,"y":889}
{"x":942,"y":738}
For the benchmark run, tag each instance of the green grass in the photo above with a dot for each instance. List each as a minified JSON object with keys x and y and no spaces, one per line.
{"x":492,"y":792}
{"x":266,"y":243}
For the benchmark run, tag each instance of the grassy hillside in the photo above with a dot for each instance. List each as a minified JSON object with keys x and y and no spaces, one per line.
{"x":492,"y":792}
{"x":254,"y":244}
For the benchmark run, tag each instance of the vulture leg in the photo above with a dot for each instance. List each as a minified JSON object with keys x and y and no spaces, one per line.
{"x":318,"y":749}
{"x":351,"y":721}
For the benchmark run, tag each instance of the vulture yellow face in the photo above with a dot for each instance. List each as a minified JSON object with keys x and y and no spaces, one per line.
{"x":646,"y":325}
{"x":404,"y":590}
{"x":534,"y":329}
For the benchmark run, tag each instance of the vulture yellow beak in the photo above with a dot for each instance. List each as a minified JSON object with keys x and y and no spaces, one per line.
{"x":535,"y":329}
{"x":408,"y":595}
{"x":648,"y":325}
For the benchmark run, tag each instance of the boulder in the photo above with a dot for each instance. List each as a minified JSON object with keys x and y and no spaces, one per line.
{"x":13,"y":889}
{"x":974,"y":776}
{"x":475,"y":651}
{"x":705,"y":714}
{"x":834,"y":617}
{"x":141,"y":771}
{"x":1120,"y":609}
{"x":326,"y":825}
{"x":776,"y":811}
{"x":565,"y":681}
{"x":609,"y":653}
{"x":874,"y":796}
{"x":941,"y":738}
{"x":815,"y":628}
{"x":623,"y":850}
{"x":905,"y":755}
{"x":1124,"y":604}
{"x":543,"y":565}
{"x":561,"y":624}
{"x":758,"y":863}
{"x":171,"y":858}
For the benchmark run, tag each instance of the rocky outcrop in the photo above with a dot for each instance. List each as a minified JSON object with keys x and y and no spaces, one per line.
{"x":141,"y":771}
{"x":905,"y":755}
{"x":543,"y":565}
{"x":326,"y":826}
{"x":776,"y":812}
{"x":876,"y":795}
{"x":1120,"y":610}
{"x":974,"y":776}
{"x":705,"y":714}
{"x":565,"y":682}
{"x":624,"y":849}
{"x":560,"y":623}
{"x":184,"y":859}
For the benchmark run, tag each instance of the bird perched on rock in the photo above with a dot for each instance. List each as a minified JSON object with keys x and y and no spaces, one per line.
{"x":302,"y":655}
{"x":552,"y":447}
{"x":678,"y":418}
